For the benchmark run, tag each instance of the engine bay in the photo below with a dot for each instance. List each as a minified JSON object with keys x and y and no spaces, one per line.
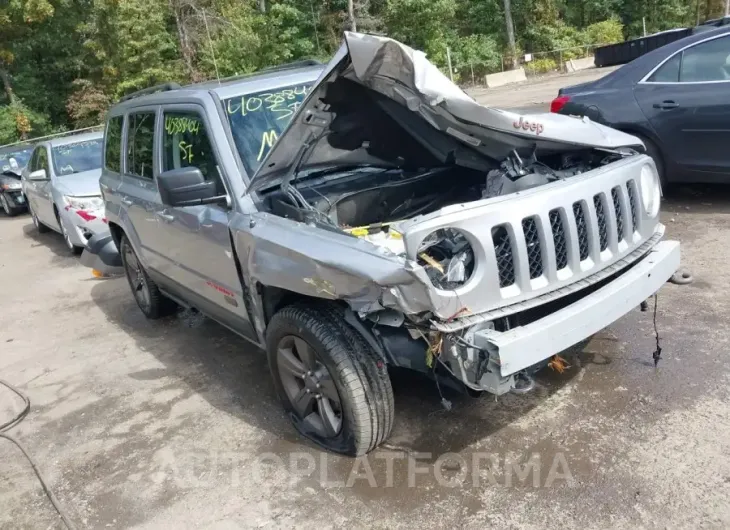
{"x":368,"y":202}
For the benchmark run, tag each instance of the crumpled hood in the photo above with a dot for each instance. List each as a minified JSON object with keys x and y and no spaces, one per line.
{"x":406,"y":77}
{"x":82,"y":184}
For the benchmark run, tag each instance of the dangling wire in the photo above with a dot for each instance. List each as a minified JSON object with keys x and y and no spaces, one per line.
{"x":658,"y":352}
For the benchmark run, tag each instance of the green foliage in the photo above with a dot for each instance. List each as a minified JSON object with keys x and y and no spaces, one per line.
{"x":477,"y":54}
{"x":606,"y":32}
{"x":541,"y":66}
{"x":63,"y":62}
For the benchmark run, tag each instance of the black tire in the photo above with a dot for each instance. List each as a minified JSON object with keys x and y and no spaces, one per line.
{"x":155,"y":304}
{"x":10,"y":211}
{"x":359,"y":375}
{"x":42,"y":229}
{"x":656,"y":155}
{"x":74,"y":249}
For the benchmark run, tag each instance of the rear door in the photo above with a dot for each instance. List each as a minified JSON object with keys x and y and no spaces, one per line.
{"x":138,"y":196}
{"x":198,"y":246}
{"x":687,"y":101}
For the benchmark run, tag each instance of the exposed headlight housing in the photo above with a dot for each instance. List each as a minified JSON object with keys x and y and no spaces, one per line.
{"x":83,"y":203}
{"x":650,"y":190}
{"x":448,"y":258}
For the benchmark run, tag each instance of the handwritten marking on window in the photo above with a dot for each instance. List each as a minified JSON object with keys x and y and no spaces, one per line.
{"x":187,"y":151}
{"x":284,"y":102}
{"x":267,"y":140}
{"x":181,"y":125}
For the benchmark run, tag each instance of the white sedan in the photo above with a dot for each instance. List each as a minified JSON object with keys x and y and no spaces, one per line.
{"x":61,"y":183}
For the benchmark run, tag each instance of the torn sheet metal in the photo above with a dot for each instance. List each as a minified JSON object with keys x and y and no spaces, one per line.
{"x":304,"y":259}
{"x":439,"y":107}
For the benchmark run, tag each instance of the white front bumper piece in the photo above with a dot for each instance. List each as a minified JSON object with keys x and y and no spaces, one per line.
{"x":525,"y":346}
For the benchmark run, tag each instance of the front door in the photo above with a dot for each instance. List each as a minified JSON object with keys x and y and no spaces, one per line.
{"x":38,"y":192}
{"x":687,"y":101}
{"x":198,"y":245}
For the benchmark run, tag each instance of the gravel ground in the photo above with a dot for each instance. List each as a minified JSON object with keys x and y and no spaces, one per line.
{"x":174,"y":423}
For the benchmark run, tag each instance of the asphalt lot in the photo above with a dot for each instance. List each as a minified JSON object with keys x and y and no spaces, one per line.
{"x":174,"y":423}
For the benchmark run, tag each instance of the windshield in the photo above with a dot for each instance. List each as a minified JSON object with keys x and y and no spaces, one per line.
{"x":15,"y":160}
{"x":77,"y":157}
{"x":258,"y":119}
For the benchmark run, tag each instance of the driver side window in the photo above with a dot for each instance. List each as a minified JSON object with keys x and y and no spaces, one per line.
{"x":42,"y":160}
{"x":186,"y":144}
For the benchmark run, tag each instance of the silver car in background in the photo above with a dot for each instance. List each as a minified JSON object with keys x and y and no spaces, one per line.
{"x":61,"y":183}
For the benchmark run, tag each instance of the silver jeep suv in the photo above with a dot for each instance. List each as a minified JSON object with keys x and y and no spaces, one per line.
{"x":395,"y":222}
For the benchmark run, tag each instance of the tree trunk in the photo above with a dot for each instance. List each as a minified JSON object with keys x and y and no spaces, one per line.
{"x":262,"y":6}
{"x":351,"y":15}
{"x":510,"y":32}
{"x":6,"y":86}
{"x":186,"y":50}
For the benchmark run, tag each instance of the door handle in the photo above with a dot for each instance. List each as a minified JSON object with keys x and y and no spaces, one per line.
{"x":207,"y":225}
{"x":666,"y":105}
{"x":126,"y":201}
{"x":168,"y":218}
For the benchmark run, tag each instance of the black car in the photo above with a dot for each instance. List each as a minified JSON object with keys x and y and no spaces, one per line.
{"x":13,"y":158}
{"x":675,"y":98}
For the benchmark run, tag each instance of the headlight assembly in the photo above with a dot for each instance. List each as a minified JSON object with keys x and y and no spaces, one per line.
{"x":650,"y":190}
{"x":448,"y":258}
{"x":83,"y":203}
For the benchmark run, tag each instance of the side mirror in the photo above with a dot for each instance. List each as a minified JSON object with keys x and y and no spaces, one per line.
{"x":38,"y":174}
{"x":186,"y":187}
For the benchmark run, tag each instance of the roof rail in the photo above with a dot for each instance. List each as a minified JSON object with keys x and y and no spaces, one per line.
{"x":151,"y":90}
{"x":288,"y":66}
{"x":31,"y":141}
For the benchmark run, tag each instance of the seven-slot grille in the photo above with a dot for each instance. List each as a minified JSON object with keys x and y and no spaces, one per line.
{"x":615,"y":202}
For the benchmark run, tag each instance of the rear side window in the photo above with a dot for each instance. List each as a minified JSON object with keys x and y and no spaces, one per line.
{"x":186,"y":144}
{"x":113,"y":144}
{"x":140,"y":143}
{"x":708,"y":61}
{"x":669,"y":71}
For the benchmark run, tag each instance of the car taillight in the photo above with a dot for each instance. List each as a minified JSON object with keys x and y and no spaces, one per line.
{"x":558,"y":103}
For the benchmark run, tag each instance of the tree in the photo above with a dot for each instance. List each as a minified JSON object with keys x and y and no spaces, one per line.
{"x":510,"y":27}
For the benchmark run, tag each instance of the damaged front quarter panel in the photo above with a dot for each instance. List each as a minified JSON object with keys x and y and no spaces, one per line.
{"x":320,"y":263}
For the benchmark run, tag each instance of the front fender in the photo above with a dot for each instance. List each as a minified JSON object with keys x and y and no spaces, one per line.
{"x":316,"y":262}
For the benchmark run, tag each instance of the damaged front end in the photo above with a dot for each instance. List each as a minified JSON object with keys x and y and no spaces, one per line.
{"x":460,"y":236}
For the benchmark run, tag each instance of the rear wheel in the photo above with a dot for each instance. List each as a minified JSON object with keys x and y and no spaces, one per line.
{"x":150,"y":300}
{"x":334,"y":387}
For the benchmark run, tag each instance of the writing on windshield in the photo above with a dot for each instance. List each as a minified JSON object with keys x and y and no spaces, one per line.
{"x":257,"y":120}
{"x":15,"y":160}
{"x":77,"y":157}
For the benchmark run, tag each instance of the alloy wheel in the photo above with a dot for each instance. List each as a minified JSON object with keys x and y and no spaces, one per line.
{"x":66,"y":237}
{"x":137,"y":280}
{"x":309,"y":386}
{"x":6,"y":206}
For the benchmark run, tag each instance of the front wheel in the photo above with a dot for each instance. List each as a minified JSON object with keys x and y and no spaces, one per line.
{"x":10,"y":211}
{"x":75,"y":249}
{"x":333,"y":385}
{"x":150,"y":300}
